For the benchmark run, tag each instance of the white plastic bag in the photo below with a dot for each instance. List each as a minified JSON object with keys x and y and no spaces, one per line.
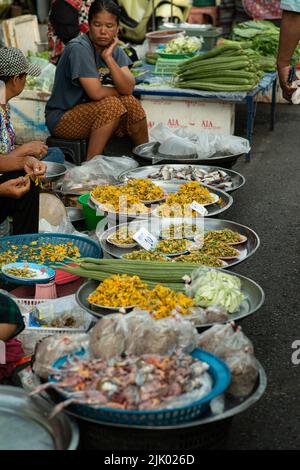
{"x":205,"y":144}
{"x":137,"y":333}
{"x":232,"y":345}
{"x":100,"y":170}
{"x":54,"y":312}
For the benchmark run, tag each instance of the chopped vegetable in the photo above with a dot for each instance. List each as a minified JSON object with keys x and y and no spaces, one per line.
{"x":162,"y":301}
{"x":39,"y":253}
{"x":183,"y":45}
{"x":123,"y":236}
{"x":25,"y":273}
{"x":127,"y":198}
{"x":170,"y":246}
{"x":119,"y":291}
{"x":226,"y":236}
{"x":145,"y":255}
{"x":215,"y":287}
{"x":180,"y":231}
{"x":124,"y":291}
{"x":219,"y":249}
{"x":200,"y":258}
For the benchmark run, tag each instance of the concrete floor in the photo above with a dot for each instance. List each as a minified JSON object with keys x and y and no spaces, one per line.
{"x":269,"y":204}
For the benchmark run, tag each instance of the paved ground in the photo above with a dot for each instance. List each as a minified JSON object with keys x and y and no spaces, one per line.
{"x":269,"y":203}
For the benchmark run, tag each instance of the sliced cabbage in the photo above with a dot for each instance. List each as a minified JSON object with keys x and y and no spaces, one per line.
{"x":217,"y":288}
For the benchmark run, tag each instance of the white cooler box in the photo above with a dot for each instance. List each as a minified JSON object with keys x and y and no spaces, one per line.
{"x":193,"y":114}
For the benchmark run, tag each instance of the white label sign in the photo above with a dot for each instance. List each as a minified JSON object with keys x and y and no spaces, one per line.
{"x":198,"y":208}
{"x":145,"y":239}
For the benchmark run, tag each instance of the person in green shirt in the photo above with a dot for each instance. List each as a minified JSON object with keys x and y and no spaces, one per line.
{"x":289,"y":38}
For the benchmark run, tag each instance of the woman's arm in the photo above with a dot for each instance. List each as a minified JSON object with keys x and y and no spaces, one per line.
{"x":36,"y":149}
{"x":95,"y":91}
{"x":289,"y":38}
{"x":121,"y":76}
{"x":7,"y":331}
{"x":28,"y":164}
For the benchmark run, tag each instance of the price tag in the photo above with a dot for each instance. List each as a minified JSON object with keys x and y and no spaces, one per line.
{"x":198,"y":208}
{"x":145,"y":239}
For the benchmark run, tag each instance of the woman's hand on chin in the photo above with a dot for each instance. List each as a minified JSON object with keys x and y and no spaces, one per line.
{"x":107,"y":53}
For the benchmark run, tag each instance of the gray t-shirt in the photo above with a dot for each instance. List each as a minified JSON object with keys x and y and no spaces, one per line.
{"x":79,"y":60}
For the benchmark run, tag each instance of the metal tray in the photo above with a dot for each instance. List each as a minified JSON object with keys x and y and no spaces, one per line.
{"x":213,"y":209}
{"x":149,"y":151}
{"x":75,"y":214}
{"x":238,"y":180}
{"x":254,"y":293}
{"x":246,"y":249}
{"x":233,"y":406}
{"x":24,"y":423}
{"x":54,"y":171}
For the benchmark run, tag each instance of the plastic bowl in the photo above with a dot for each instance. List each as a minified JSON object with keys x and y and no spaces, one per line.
{"x":90,"y":215}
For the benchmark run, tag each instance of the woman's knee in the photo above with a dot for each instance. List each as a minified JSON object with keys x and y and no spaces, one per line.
{"x":133,"y":106}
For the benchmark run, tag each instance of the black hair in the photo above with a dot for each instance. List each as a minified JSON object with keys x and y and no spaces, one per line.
{"x":98,"y":6}
{"x":6,"y":78}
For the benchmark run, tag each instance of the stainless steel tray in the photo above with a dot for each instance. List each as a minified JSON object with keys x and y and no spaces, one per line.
{"x":246,"y":249}
{"x":24,"y":423}
{"x":238,"y":180}
{"x":254,"y":300}
{"x":149,"y":152}
{"x":233,"y":406}
{"x":75,"y":214}
{"x":172,"y":187}
{"x":54,"y":171}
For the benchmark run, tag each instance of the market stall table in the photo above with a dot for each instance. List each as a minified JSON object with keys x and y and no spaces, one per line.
{"x":156,"y":86}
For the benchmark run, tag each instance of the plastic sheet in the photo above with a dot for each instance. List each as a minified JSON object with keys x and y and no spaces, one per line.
{"x":54,"y":313}
{"x":65,"y":226}
{"x":45,"y":81}
{"x":98,"y":171}
{"x":137,"y":333}
{"x":181,"y":143}
{"x":232,"y":345}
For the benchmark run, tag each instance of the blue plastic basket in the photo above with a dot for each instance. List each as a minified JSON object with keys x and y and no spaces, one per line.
{"x":87,"y":248}
{"x":221,"y":380}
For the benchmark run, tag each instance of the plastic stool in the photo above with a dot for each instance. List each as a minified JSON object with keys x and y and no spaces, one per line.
{"x":45,"y":291}
{"x":74,"y":149}
{"x":198,"y":15}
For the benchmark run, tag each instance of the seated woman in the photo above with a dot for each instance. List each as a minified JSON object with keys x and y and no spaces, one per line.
{"x":14,"y":69}
{"x":11,"y":324}
{"x":92,"y":94}
{"x":67,"y":19}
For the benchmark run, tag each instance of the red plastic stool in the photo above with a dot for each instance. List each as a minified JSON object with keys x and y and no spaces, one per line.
{"x":45,"y":291}
{"x":201,"y":15}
